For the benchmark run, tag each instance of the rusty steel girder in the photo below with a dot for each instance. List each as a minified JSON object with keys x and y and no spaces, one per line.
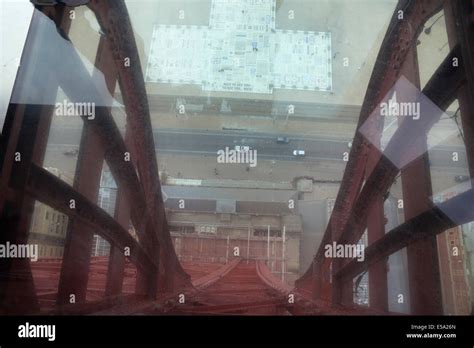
{"x":71,"y":72}
{"x":460,"y":27}
{"x":72,"y":80}
{"x":400,"y":35}
{"x":73,"y":77}
{"x":75,"y":267}
{"x":49,"y":189}
{"x":116,"y":265}
{"x":441,"y":90}
{"x":114,"y":21}
{"x":454,"y":212}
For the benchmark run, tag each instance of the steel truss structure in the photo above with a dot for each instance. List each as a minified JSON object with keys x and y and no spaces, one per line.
{"x":368,"y":176}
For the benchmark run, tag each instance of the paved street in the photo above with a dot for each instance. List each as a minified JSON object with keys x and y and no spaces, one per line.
{"x":199,"y":142}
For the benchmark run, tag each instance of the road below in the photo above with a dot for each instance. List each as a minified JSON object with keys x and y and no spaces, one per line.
{"x":199,"y":142}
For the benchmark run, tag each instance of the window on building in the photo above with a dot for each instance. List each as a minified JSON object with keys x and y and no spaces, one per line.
{"x":264,"y":233}
{"x":182,"y":229}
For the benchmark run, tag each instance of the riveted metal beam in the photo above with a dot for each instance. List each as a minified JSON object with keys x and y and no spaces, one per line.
{"x":406,"y":24}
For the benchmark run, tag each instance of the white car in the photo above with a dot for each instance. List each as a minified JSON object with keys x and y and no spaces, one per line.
{"x":298,"y":153}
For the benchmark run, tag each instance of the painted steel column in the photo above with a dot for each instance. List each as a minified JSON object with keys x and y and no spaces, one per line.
{"x":315,"y":281}
{"x":378,"y":283}
{"x":268,"y":246}
{"x":460,"y":30}
{"x":283,"y":246}
{"x":146,"y":283}
{"x":423,"y":267}
{"x":321,"y":280}
{"x":248,"y":244}
{"x":227,"y":251}
{"x":114,"y":20}
{"x":77,"y":250}
{"x":384,"y":75}
{"x":116,"y":266}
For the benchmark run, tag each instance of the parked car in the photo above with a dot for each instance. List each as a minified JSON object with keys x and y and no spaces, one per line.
{"x":298,"y":153}
{"x":73,"y":152}
{"x":283,"y":140}
{"x":461,"y":178}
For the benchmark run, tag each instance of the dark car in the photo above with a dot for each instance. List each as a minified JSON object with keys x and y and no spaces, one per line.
{"x":283,"y":140}
{"x":461,"y":178}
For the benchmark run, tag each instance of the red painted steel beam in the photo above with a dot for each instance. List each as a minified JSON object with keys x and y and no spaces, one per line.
{"x":236,"y":307}
{"x":441,"y":90}
{"x":454,"y":212}
{"x":270,"y":280}
{"x":423,"y":264}
{"x":115,"y":22}
{"x":377,"y":277}
{"x":144,"y":284}
{"x":78,"y":244}
{"x":49,"y":189}
{"x":400,"y":34}
{"x":116,"y":266}
{"x":378,"y":283}
{"x":76,"y":260}
{"x":209,"y":279}
{"x":460,"y":28}
{"x":73,"y":79}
